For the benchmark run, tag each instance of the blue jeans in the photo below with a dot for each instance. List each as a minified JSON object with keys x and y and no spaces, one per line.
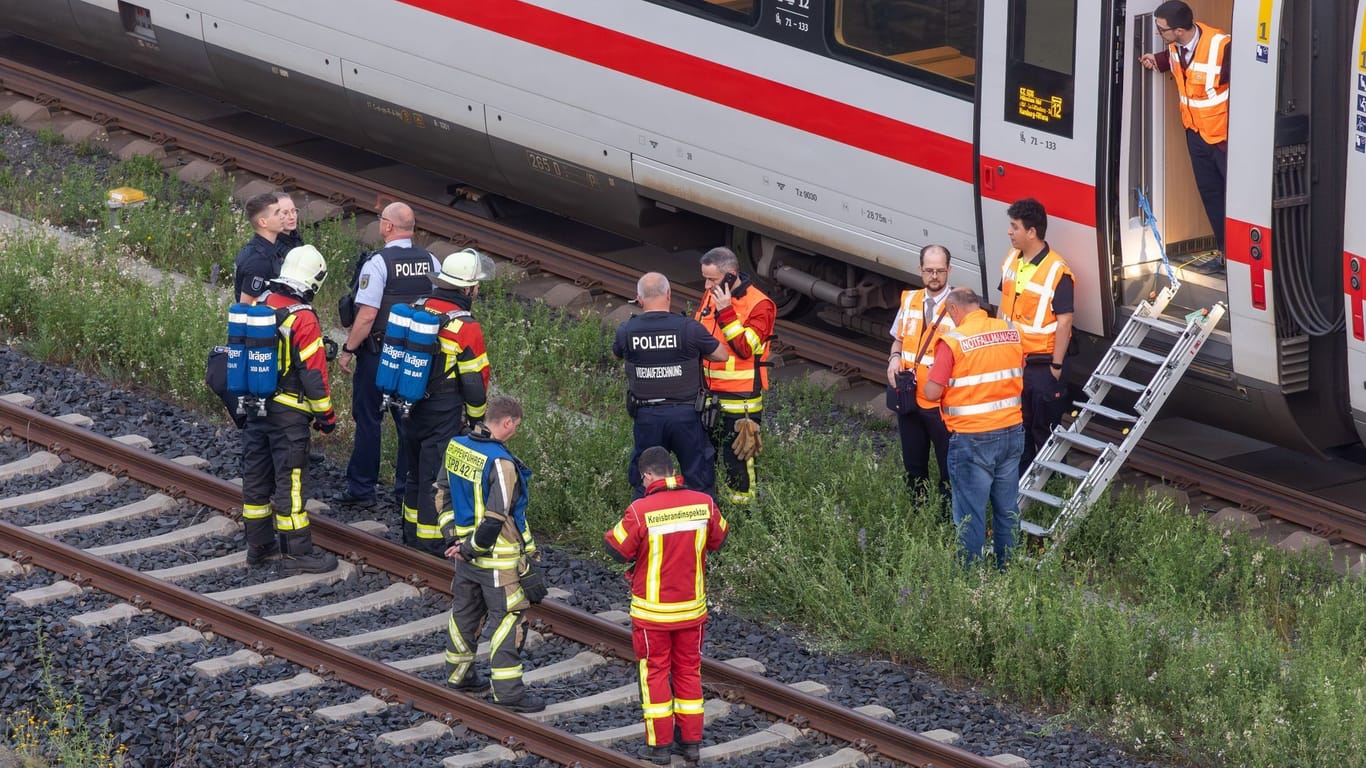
{"x":986,"y":465}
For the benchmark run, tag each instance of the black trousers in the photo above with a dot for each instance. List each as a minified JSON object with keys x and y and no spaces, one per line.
{"x":362,"y":471}
{"x":429,"y":427}
{"x":677,"y":429}
{"x":1210,"y":164}
{"x":1043,"y":403}
{"x":741,"y":477}
{"x":921,"y":430}
{"x":274,"y":460}
{"x":489,"y":604}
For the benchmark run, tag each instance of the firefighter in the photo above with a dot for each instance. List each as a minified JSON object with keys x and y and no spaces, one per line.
{"x":663,"y":354}
{"x":456,"y":392}
{"x":740,"y":316}
{"x":667,"y":535}
{"x":275,"y":446}
{"x":978,"y":378}
{"x":487,"y":534}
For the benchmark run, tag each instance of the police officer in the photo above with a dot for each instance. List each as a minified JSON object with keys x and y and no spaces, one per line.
{"x":289,"y":237}
{"x":396,"y":274}
{"x":275,"y":446}
{"x":258,"y":262}
{"x":488,"y":536}
{"x":663,"y":354}
{"x":738,"y":314}
{"x":456,"y":392}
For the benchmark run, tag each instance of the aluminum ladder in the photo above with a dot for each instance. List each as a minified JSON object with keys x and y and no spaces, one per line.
{"x":1052,"y":458}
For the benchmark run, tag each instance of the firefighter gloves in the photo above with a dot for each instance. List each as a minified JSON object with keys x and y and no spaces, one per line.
{"x":325,"y":423}
{"x":748,"y":443}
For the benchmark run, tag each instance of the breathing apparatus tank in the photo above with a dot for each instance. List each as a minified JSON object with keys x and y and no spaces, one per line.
{"x":237,"y":353}
{"x":391,"y":354}
{"x":417,"y":358}
{"x":263,"y":371}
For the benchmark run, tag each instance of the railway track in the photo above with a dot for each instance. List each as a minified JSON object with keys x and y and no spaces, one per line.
{"x":600,"y":639}
{"x":1277,"y":510}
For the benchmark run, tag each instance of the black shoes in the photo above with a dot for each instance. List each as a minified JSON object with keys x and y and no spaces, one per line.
{"x":352,"y":500}
{"x":527,"y":702}
{"x":263,"y":555}
{"x":660,"y":755}
{"x":690,"y":751}
{"x":474,"y":684}
{"x":316,"y":561}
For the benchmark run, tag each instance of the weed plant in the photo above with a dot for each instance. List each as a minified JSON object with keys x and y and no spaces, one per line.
{"x":1174,"y":638}
{"x":59,"y":733}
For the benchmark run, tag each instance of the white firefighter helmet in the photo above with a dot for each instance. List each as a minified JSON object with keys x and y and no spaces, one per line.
{"x":463,"y":269}
{"x":304,"y":268}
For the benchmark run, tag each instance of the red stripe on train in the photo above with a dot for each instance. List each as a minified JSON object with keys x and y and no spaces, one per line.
{"x":714,"y":82}
{"x":768,"y":99}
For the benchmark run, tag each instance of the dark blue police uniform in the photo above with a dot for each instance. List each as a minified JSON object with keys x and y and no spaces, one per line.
{"x":406,"y":271}
{"x":663,"y":354}
{"x":255,"y":264}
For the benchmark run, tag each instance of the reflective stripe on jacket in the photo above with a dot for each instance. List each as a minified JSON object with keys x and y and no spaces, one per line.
{"x":486,"y":479}
{"x":748,"y":345}
{"x":911,"y":333}
{"x":988,"y":375}
{"x":1201,"y":88}
{"x":668,"y":534}
{"x":1027,"y":297}
{"x":300,"y":355}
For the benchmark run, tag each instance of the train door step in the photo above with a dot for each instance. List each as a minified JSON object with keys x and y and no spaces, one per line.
{"x":1091,"y":482}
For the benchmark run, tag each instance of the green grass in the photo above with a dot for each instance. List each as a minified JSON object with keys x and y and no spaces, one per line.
{"x":1175,"y":639}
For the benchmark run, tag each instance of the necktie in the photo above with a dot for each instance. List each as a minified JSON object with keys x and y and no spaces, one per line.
{"x":929,"y":310}
{"x":1185,"y":58}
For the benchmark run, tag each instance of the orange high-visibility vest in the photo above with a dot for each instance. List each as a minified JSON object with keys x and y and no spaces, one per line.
{"x":737,"y":375}
{"x":912,"y":333}
{"x":1202,"y":90}
{"x":988,"y":375}
{"x":1030,"y":307}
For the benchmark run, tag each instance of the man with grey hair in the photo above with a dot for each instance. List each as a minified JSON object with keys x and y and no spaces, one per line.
{"x":663,"y":353}
{"x":741,"y":317}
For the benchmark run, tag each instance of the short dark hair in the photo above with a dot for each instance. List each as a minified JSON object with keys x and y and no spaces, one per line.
{"x":656,"y":461}
{"x":503,"y":407}
{"x":1031,"y":215}
{"x":1176,"y":13}
{"x":258,"y":204}
{"x":722,"y":258}
{"x":927,"y":249}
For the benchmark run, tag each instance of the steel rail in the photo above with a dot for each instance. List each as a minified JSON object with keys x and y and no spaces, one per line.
{"x":866,"y":733}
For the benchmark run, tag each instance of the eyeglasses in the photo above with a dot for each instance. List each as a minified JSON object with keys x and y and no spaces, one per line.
{"x":1162,"y":30}
{"x":933,"y":271}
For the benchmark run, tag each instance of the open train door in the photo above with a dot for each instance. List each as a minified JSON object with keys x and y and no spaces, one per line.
{"x":1041,"y":125}
{"x":1354,"y":225}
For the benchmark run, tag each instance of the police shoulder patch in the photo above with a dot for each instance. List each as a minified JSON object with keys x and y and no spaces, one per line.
{"x":258,"y":284}
{"x":364,"y":282}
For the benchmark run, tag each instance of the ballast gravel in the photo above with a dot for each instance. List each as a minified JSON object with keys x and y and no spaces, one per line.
{"x":166,"y":714}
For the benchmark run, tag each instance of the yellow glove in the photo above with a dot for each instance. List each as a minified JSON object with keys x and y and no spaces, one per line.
{"x":747,"y":442}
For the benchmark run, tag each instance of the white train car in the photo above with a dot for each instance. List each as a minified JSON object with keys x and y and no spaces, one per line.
{"x":835,"y":138}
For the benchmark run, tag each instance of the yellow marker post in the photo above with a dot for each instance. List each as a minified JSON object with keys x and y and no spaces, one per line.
{"x":123,"y":197}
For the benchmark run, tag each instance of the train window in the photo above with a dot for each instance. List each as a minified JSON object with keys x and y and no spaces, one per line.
{"x":1041,"y":64}
{"x":735,"y":10}
{"x":934,"y":37}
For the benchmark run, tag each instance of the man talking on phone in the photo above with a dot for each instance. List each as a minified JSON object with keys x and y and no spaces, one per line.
{"x":740,"y":316}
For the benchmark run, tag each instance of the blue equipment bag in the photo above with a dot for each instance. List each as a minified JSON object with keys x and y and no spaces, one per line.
{"x":391,"y":355}
{"x":417,"y":357}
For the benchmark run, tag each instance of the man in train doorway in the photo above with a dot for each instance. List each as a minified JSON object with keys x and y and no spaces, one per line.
{"x":1037,"y":295}
{"x":919,"y":323}
{"x":1198,"y":57}
{"x":740,"y":316}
